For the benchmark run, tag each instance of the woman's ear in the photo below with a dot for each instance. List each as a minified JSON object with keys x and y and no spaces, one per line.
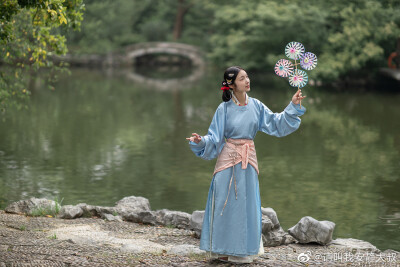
{"x":232,"y":86}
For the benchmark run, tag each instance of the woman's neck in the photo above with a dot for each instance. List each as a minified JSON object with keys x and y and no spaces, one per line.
{"x":241,"y":97}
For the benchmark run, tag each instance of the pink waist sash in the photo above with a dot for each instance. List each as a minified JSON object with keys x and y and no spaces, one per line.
{"x":235,"y":151}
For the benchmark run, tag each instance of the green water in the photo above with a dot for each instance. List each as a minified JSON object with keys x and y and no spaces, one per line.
{"x":101,"y":136}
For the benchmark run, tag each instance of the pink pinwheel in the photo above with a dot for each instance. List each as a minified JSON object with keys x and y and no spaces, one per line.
{"x":284,"y":68}
{"x":298,"y":79}
{"x":308,"y":61}
{"x":294,"y":50}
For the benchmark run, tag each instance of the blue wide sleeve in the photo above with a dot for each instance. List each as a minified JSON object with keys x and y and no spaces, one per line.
{"x":211,"y":144}
{"x":280,"y":124}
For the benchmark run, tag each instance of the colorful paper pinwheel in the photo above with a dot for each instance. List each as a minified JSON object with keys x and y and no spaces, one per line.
{"x":284,"y":68}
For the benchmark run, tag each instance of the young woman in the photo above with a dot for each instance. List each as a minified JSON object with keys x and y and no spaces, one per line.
{"x":232,"y":220}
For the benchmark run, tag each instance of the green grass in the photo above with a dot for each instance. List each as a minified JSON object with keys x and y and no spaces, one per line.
{"x":48,"y":210}
{"x":54,"y":236}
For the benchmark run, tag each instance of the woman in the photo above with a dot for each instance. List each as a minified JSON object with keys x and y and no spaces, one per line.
{"x":231,"y":228}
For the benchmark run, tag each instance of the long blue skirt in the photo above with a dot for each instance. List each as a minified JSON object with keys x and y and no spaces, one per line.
{"x":238,"y":231}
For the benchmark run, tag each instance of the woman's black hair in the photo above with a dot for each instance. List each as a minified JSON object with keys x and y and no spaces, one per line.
{"x":230,"y":75}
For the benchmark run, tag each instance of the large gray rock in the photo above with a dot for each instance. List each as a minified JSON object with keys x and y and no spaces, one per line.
{"x":273,"y":234}
{"x":277,"y":237}
{"x":196,"y":221}
{"x":142,"y":216}
{"x":178,"y":219}
{"x":31,"y":205}
{"x":271,"y":214}
{"x":309,"y":230}
{"x":354,"y":244}
{"x":88,"y":210}
{"x":133,"y":203}
{"x":130,"y":208}
{"x":70,"y":212}
{"x":267,"y":225}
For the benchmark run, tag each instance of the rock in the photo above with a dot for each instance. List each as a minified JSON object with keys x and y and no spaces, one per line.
{"x":110,"y":217}
{"x":277,"y":237}
{"x":273,"y":234}
{"x":142,"y":216}
{"x":271,"y":214}
{"x":130,"y":209}
{"x":267,"y":225}
{"x":353,"y":244}
{"x":88,"y":210}
{"x":196,"y":221}
{"x":101,"y":211}
{"x":133,"y":203}
{"x":309,"y":230}
{"x":178,"y":219}
{"x":30,"y":206}
{"x":70,"y":212}
{"x":184,"y":250}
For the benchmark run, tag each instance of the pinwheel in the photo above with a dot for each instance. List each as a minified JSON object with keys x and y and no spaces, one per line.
{"x":294,"y":50}
{"x":299,"y":79}
{"x":284,"y":68}
{"x":308,"y":61}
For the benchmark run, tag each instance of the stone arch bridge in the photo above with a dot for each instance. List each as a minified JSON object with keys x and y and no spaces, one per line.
{"x":129,"y":54}
{"x":132,"y":52}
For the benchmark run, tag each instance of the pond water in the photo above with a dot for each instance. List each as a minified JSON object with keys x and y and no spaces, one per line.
{"x":102,"y":136}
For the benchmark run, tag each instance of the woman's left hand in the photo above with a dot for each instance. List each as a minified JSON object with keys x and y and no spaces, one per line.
{"x":297,"y":97}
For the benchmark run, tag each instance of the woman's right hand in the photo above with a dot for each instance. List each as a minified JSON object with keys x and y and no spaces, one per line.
{"x":194,"y":138}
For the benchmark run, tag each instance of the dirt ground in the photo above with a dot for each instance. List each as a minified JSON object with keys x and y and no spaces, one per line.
{"x":44,"y":241}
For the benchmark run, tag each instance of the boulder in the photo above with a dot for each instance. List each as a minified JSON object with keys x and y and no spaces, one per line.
{"x":196,"y":222}
{"x":267,"y":225}
{"x":141,"y":216}
{"x":31,"y":205}
{"x":309,"y":230}
{"x":133,"y":203}
{"x":271,"y":214}
{"x":88,"y":210}
{"x":277,"y":237}
{"x":273,"y":234}
{"x":101,"y":211}
{"x":178,"y":219}
{"x":130,"y":209}
{"x":70,"y":212}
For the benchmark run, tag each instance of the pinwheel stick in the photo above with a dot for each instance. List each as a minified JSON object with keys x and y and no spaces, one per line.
{"x":298,"y":87}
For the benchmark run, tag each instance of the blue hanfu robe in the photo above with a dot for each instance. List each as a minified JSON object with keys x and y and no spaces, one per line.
{"x":237,"y":231}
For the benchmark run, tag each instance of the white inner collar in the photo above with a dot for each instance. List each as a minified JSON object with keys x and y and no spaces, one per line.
{"x":237,"y":101}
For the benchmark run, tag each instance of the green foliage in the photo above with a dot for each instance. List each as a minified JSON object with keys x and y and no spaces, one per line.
{"x":346,"y":36}
{"x":112,"y":24}
{"x":29,"y":36}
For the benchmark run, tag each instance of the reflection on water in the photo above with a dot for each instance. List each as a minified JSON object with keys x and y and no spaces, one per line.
{"x":98,"y":138}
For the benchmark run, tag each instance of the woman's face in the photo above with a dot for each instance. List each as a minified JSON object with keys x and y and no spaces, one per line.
{"x":242,"y":82}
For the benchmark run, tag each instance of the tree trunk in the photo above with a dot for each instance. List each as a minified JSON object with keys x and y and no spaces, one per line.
{"x":178,"y":27}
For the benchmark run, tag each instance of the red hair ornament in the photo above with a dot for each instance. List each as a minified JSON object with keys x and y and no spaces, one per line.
{"x":224,"y":87}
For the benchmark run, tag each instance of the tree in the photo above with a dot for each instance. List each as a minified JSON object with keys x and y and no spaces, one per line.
{"x":347,"y":36}
{"x":29,"y":36}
